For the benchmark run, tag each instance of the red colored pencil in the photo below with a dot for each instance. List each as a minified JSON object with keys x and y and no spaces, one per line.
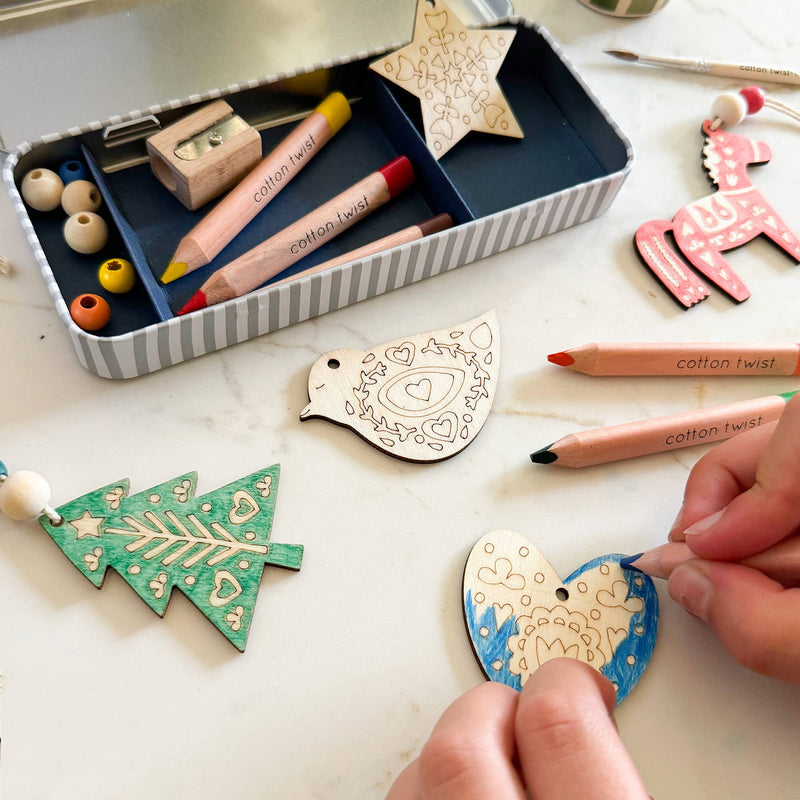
{"x":613,"y":358}
{"x":263,"y":262}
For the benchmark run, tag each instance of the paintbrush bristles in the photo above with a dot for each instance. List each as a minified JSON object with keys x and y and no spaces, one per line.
{"x":623,"y":55}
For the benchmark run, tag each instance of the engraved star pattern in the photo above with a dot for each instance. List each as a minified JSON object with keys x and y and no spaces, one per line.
{"x":87,"y":525}
{"x":453,"y":71}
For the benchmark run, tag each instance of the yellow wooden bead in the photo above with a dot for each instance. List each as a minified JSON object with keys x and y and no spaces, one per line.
{"x":42,"y":189}
{"x":80,"y":196}
{"x":117,"y":275}
{"x":86,"y":232}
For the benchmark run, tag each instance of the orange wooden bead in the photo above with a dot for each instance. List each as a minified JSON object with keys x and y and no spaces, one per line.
{"x":90,"y":312}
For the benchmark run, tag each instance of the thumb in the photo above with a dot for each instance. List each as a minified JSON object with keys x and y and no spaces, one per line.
{"x":768,"y":511}
{"x":757,"y":619}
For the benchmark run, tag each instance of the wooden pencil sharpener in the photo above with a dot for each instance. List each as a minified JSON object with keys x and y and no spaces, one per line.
{"x":204,"y":154}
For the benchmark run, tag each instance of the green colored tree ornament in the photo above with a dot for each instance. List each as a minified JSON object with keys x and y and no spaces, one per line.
{"x":212,"y":548}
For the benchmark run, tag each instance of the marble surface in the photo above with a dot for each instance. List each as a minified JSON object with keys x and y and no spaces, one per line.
{"x":351,"y":661}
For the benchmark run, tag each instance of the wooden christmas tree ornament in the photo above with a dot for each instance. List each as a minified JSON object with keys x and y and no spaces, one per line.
{"x":204,"y":154}
{"x":453,"y":70}
{"x":734,"y":215}
{"x":211,"y":548}
{"x":519,"y":613}
{"x":422,"y":398}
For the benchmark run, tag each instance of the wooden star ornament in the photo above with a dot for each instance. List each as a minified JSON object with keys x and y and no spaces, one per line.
{"x":453,"y":70}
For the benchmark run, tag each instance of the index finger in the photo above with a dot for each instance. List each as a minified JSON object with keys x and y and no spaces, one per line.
{"x":769,"y":510}
{"x":719,"y":476}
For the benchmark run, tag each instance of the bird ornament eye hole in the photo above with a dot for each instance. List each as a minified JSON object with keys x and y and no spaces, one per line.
{"x":333,"y":364}
{"x":562,"y":594}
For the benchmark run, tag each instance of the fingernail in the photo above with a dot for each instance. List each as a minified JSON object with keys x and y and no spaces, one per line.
{"x":701,"y":526}
{"x":690,"y":586}
{"x":677,"y":526}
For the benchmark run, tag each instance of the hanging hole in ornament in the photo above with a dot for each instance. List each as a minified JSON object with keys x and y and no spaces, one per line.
{"x":430,"y":3}
{"x":57,"y":522}
{"x":562,"y":594}
{"x":334,"y":364}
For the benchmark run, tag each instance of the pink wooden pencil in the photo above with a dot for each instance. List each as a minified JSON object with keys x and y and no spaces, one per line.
{"x":781,"y":562}
{"x":427,"y":227}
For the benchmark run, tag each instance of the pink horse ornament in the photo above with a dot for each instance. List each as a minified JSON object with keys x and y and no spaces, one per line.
{"x":732,"y":216}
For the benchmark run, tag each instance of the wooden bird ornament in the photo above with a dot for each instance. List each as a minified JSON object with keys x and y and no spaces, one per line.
{"x":519,"y":613}
{"x":453,"y":70}
{"x":422,"y":398}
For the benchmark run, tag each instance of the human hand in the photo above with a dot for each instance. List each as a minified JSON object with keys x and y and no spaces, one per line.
{"x":742,"y":500}
{"x":556,"y":739}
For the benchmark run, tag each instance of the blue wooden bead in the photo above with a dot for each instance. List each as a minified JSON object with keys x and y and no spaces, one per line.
{"x":72,"y":171}
{"x":3,"y":470}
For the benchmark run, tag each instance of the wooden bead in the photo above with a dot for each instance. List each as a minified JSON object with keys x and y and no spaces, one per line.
{"x":90,"y":312}
{"x":80,"y":196}
{"x":730,"y":108}
{"x":24,"y":495}
{"x":117,"y":275}
{"x":41,"y":189}
{"x":86,"y":232}
{"x":72,"y":171}
{"x":754,"y":96}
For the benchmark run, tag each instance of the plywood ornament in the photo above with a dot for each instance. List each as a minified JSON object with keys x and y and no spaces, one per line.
{"x":422,"y":398}
{"x":211,"y":548}
{"x":453,"y":70}
{"x":519,"y":613}
{"x":734,"y":215}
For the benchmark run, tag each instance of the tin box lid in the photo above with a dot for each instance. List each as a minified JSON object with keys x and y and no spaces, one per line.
{"x":67,"y":63}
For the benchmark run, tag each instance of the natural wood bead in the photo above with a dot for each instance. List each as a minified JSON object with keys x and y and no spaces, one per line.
{"x":86,"y":232}
{"x":24,"y":495}
{"x":42,"y":189}
{"x":90,"y":312}
{"x":80,"y":196}
{"x":730,"y":108}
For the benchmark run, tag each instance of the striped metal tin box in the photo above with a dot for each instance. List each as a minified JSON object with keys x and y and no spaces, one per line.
{"x":500,"y":192}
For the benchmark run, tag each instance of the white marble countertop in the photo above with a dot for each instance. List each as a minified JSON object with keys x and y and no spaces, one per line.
{"x":351,"y":660}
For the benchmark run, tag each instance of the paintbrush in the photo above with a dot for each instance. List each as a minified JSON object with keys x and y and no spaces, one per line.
{"x":743,"y":71}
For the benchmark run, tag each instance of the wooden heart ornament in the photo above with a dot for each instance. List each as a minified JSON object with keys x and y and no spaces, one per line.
{"x":421,"y":398}
{"x":519,"y":613}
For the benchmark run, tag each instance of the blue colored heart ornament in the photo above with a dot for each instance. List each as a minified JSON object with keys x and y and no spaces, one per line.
{"x":520,"y":613}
